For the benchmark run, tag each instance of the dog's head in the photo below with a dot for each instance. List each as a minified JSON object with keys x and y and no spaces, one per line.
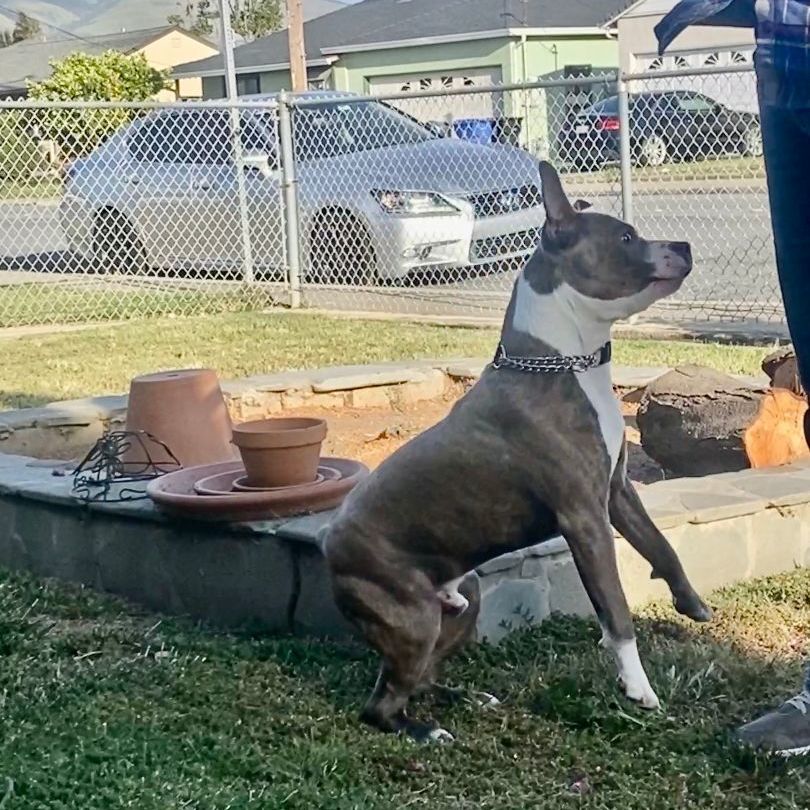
{"x":604,"y":259}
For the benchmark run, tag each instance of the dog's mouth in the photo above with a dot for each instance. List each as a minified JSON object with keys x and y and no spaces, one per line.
{"x":671,"y":275}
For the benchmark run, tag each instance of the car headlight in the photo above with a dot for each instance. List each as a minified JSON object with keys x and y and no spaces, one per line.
{"x":411,"y":203}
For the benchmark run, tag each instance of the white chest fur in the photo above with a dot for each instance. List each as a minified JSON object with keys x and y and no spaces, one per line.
{"x":598,"y":387}
{"x":564,"y":320}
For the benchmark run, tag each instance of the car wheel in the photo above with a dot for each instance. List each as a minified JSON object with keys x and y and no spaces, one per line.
{"x":653,"y":151}
{"x":752,"y":141}
{"x":117,"y":248}
{"x":340,"y":251}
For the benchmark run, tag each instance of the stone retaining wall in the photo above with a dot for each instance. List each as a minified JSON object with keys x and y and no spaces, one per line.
{"x":68,"y":429}
{"x":272,"y":576}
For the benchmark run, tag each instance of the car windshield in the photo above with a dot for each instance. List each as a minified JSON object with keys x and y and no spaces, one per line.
{"x":340,"y":128}
{"x":608,"y":106}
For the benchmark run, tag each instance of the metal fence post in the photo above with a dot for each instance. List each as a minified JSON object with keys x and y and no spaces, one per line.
{"x":625,"y":156}
{"x":289,"y":186}
{"x":236,"y":141}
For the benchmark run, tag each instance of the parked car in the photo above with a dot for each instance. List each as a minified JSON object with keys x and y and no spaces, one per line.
{"x":665,"y":126}
{"x":381,"y":196}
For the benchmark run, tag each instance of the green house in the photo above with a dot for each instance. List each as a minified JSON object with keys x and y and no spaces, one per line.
{"x":380,"y":47}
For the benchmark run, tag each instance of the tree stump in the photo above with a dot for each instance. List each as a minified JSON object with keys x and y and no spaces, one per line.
{"x":693,"y":421}
{"x":776,"y":436}
{"x":781,"y":368}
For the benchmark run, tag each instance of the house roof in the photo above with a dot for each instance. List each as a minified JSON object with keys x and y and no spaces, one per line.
{"x":382,"y":23}
{"x":642,"y":8}
{"x":30,"y":59}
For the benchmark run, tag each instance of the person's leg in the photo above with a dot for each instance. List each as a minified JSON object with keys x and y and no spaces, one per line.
{"x":786,"y":141}
{"x":786,"y":138}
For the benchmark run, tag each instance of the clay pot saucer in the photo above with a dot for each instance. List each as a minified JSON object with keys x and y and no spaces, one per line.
{"x":280,"y":452}
{"x":174,"y":494}
{"x":227,"y":483}
{"x":186,"y":411}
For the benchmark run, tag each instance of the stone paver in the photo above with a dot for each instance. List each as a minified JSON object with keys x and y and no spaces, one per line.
{"x":712,"y":506}
{"x":365,"y":377}
{"x":512,"y":605}
{"x":636,"y":376}
{"x":469,"y":369}
{"x":778,"y":490}
{"x":567,"y":593}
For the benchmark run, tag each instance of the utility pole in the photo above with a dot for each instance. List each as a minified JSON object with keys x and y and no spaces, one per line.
{"x":232,"y":93}
{"x":295,"y":35}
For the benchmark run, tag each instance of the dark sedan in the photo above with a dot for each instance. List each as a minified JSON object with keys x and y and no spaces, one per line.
{"x":665,"y":126}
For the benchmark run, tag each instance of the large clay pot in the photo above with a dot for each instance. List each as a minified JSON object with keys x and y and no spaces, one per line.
{"x":184,"y":409}
{"x":280,"y":452}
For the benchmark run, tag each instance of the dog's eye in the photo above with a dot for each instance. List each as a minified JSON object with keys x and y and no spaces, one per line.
{"x":628,"y":236}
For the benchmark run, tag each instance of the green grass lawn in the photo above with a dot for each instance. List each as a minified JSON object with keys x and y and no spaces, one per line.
{"x":42,"y":189}
{"x":715,"y":169}
{"x":57,"y":303}
{"x":105,"y":707}
{"x":39,"y":369}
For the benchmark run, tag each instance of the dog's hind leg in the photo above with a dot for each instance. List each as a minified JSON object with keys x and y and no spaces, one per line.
{"x":457,"y":630}
{"x":588,"y":532}
{"x":630,"y":518}
{"x":402,"y":622}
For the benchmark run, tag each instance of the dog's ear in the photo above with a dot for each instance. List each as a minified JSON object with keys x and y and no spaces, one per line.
{"x":558,"y":208}
{"x":581,"y":205}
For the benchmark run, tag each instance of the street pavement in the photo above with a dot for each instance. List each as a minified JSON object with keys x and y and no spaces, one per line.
{"x":729,"y":230}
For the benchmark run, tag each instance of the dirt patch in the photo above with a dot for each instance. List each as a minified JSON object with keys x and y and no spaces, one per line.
{"x":372,"y":434}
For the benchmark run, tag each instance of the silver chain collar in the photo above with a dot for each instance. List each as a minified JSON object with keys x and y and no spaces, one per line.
{"x":553,"y":363}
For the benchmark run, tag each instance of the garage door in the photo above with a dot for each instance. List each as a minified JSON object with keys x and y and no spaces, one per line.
{"x":443,"y":108}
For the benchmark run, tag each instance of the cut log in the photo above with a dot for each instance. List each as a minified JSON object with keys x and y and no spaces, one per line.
{"x":783,"y":371}
{"x":692,"y":421}
{"x":776,"y":435}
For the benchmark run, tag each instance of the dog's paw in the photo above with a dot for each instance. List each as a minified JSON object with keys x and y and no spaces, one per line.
{"x":440,"y":735}
{"x":428,"y":732}
{"x":693,"y":607}
{"x":641,"y":694}
{"x":485,"y":701}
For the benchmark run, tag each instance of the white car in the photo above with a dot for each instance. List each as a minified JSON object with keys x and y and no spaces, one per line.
{"x":382,"y":197}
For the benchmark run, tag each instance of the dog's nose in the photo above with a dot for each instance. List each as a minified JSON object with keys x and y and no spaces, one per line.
{"x":684,"y":251}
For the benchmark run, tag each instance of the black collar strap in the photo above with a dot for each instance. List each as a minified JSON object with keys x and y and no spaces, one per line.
{"x":553,"y":363}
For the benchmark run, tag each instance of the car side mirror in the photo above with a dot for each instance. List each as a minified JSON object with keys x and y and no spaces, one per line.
{"x":257,"y":162}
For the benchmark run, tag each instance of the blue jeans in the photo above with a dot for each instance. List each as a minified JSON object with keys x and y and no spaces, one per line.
{"x":786,"y":140}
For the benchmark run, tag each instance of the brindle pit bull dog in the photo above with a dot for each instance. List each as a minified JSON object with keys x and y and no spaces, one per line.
{"x":535,"y":448}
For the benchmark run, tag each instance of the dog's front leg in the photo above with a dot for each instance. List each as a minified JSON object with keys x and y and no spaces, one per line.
{"x":630,"y":518}
{"x":590,"y":539}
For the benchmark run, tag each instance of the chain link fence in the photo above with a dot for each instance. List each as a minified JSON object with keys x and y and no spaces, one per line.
{"x":423,"y":203}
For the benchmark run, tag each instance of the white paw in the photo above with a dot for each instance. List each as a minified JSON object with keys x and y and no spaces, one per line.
{"x":440,"y":735}
{"x":641,"y":694}
{"x":486,"y":701}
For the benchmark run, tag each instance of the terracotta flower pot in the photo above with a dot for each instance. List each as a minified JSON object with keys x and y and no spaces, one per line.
{"x":185,"y":410}
{"x":280,"y":452}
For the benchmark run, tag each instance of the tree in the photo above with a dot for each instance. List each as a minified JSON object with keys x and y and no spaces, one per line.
{"x":25,"y":28}
{"x":196,"y":16}
{"x":255,"y":18}
{"x":110,"y":76}
{"x":249,"y":18}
